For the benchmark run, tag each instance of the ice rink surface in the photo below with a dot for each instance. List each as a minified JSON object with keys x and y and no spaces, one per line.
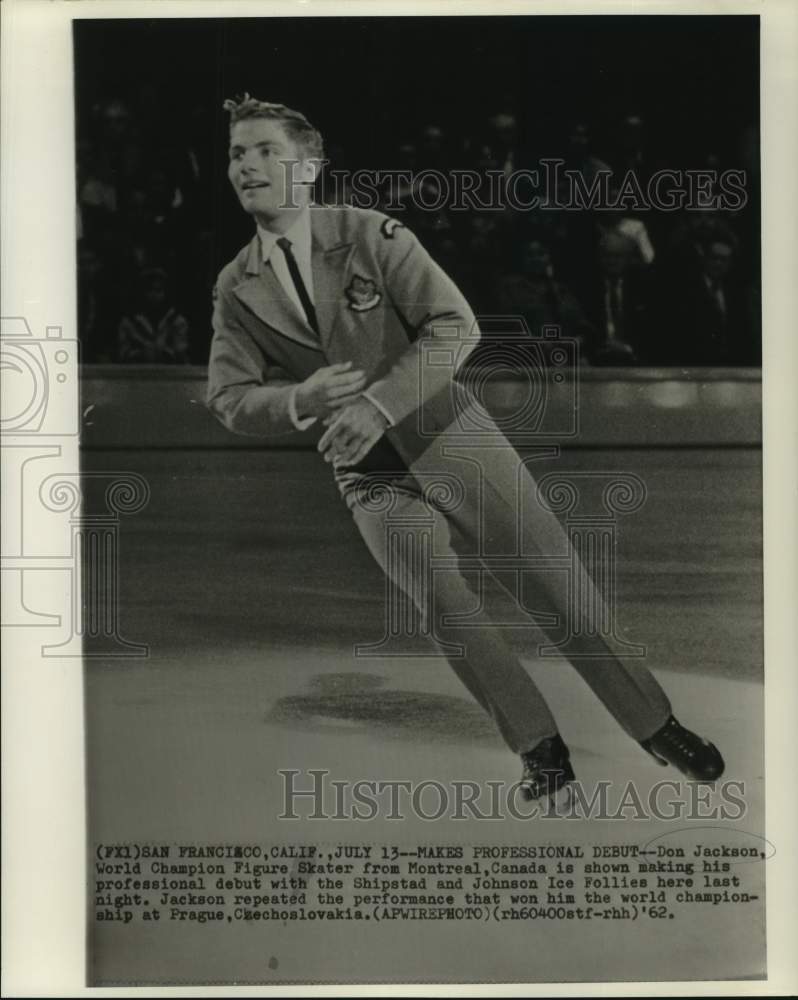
{"x":247,"y":579}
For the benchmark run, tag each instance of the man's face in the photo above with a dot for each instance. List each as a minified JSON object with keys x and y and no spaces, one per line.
{"x":536,"y":260}
{"x":718,"y":261}
{"x":263,"y":161}
{"x":155,"y":294}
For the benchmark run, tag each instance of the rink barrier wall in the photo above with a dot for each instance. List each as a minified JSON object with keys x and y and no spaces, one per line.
{"x":155,"y":406}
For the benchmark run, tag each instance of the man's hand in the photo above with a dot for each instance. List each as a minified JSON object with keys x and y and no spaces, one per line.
{"x":328,"y":389}
{"x":353,"y":433}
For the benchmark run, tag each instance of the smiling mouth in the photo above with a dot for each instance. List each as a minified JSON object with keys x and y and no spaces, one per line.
{"x":254,"y":185}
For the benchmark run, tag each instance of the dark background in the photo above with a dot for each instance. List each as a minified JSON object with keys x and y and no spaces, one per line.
{"x":373,"y":84}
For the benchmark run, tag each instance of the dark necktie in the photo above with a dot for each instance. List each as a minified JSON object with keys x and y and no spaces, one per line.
{"x":293,"y":269}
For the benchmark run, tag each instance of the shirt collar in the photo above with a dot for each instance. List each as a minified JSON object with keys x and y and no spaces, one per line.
{"x":298,"y":234}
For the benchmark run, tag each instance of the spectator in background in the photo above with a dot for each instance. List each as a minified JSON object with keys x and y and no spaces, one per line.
{"x":97,"y":193}
{"x":116,"y":138}
{"x":155,"y":332}
{"x":503,"y":138}
{"x":156,"y":230}
{"x":710,"y":313}
{"x":165,"y":199}
{"x":530,"y":290}
{"x":488,"y":230}
{"x":552,"y":228}
{"x":617,"y":220}
{"x":115,"y":122}
{"x":579,"y":154}
{"x":617,"y":305}
{"x":579,"y":227}
{"x":691,"y":234}
{"x":144,"y":191}
{"x":630,"y":149}
{"x":194,"y":163}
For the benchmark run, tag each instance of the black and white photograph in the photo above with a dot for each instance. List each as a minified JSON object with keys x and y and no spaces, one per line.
{"x":411,"y":561}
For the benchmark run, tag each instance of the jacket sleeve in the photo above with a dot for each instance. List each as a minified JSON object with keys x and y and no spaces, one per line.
{"x":441,"y":326}
{"x":247,"y":393}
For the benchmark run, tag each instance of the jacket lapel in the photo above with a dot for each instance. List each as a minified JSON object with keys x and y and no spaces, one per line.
{"x":263,"y":295}
{"x":330,"y":257}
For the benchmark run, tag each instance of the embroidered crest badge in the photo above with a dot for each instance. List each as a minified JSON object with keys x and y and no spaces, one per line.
{"x":389,"y":227}
{"x":362,"y":294}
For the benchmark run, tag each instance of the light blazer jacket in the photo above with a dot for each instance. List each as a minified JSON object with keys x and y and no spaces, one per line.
{"x":382,"y":303}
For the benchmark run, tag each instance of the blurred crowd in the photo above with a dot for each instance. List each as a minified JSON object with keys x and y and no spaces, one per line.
{"x":647,"y":288}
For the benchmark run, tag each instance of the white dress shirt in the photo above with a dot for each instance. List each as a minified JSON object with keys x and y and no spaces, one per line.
{"x":716,"y":291}
{"x":636,"y":230}
{"x":299,"y":237}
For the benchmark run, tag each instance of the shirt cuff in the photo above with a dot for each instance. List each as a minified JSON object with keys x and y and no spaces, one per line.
{"x":379,"y":406}
{"x":301,"y":423}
